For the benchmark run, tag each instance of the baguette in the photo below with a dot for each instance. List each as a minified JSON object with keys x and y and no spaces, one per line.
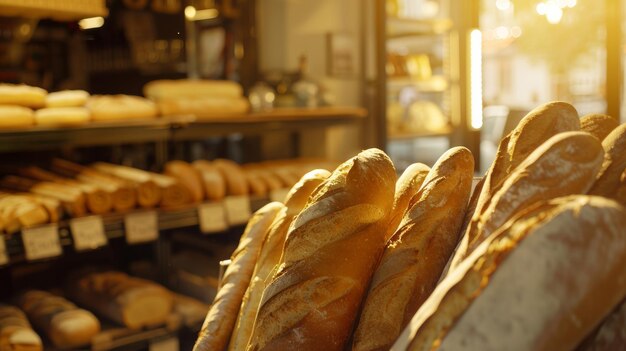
{"x":565,"y":164}
{"x":598,"y":125}
{"x":18,"y":212}
{"x":148,"y":192}
{"x":534,"y":129}
{"x":256,"y":185}
{"x":187,"y":176}
{"x":16,"y":334}
{"x":174,"y":194}
{"x":329,"y":256}
{"x":220,"y":320}
{"x":132,"y":302}
{"x":270,"y":254}
{"x":610,"y":335}
{"x":518,"y":290}
{"x":236,"y":183}
{"x":66,"y":325}
{"x":608,"y":181}
{"x":408,"y":184}
{"x":123,"y":194}
{"x":417,"y":252}
{"x":212,"y":180}
{"x":73,"y":199}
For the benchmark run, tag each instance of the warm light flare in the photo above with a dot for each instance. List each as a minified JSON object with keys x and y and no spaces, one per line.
{"x":476,"y":79}
{"x":91,"y":23}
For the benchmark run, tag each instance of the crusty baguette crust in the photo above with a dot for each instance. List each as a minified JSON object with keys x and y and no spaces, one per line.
{"x":597,"y":124}
{"x":417,"y":253}
{"x":270,"y":255}
{"x":220,"y":320}
{"x":407,"y":185}
{"x":329,"y":256}
{"x":565,"y":164}
{"x":608,"y":181}
{"x":480,"y":305}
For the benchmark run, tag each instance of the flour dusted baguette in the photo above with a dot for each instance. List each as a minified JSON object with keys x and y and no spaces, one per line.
{"x":598,"y":125}
{"x":220,"y":320}
{"x":417,"y":253}
{"x":608,"y":181}
{"x":236,"y":183}
{"x":407,"y":186}
{"x":610,"y":335}
{"x":330,"y":254}
{"x":212,"y":180}
{"x":16,"y":334}
{"x":518,"y":290}
{"x":565,"y":164}
{"x":64,"y":323}
{"x":270,"y":254}
{"x":123,"y":193}
{"x":188,"y":177}
{"x":129,"y":301}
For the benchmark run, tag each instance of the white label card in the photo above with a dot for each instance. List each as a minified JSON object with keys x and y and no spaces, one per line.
{"x":237,"y":209}
{"x":41,"y":242}
{"x":169,"y":344}
{"x":141,"y":227}
{"x":4,"y":256}
{"x":88,"y":233}
{"x":212,"y":217}
{"x":279,"y":194}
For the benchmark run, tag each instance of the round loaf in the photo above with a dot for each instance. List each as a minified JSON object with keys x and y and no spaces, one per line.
{"x":120,"y":108}
{"x":597,"y":124}
{"x":22,"y":95}
{"x":67,"y":98}
{"x":519,"y":290}
{"x":608,"y":181}
{"x":62,"y":116}
{"x":16,"y":117}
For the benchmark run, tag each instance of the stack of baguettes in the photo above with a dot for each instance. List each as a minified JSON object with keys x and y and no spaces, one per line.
{"x":535,"y":260}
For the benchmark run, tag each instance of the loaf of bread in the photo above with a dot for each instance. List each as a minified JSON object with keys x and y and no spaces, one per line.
{"x":608,"y":181}
{"x":173,"y":193}
{"x":534,"y":129}
{"x":191,"y":88}
{"x":16,"y":334}
{"x":132,"y":302}
{"x":566,"y":164}
{"x":329,"y":256}
{"x":187,"y":176}
{"x":120,"y":108}
{"x":18,"y":211}
{"x":270,"y":254}
{"x":220,"y":321}
{"x":598,"y":125}
{"x":62,"y":116}
{"x":13,"y":117}
{"x":212,"y":180}
{"x":22,"y":95}
{"x":408,"y":184}
{"x":236,"y":182}
{"x":149,"y":194}
{"x":204,"y":108}
{"x":542,"y":282}
{"x":256,"y":184}
{"x":417,"y":253}
{"x":66,"y":325}
{"x":610,"y":335}
{"x":67,"y":98}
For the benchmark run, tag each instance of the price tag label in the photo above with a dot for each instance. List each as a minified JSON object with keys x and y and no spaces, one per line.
{"x":4,"y":256}
{"x":279,"y":194}
{"x":141,"y":227}
{"x":168,"y":344}
{"x":212,"y":217}
{"x":41,"y":242}
{"x":237,"y":209}
{"x":88,"y":233}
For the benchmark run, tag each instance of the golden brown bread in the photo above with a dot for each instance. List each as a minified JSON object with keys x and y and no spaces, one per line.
{"x":236,"y":183}
{"x":407,"y":186}
{"x":614,"y":163}
{"x":565,"y":164}
{"x":329,"y":257}
{"x":534,"y":129}
{"x":518,"y":290}
{"x":147,"y":191}
{"x":16,"y":334}
{"x":220,"y":320}
{"x":610,"y":334}
{"x":66,"y":325}
{"x":620,"y":196}
{"x":417,"y":253}
{"x":270,"y":254}
{"x":256,"y":184}
{"x":188,"y":177}
{"x":597,"y":124}
{"x":213,"y":181}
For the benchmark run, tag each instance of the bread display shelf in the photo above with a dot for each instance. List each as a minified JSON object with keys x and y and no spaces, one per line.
{"x":176,"y":128}
{"x":168,"y":219}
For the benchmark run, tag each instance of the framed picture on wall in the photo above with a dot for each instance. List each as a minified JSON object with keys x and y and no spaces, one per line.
{"x":341,"y":51}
